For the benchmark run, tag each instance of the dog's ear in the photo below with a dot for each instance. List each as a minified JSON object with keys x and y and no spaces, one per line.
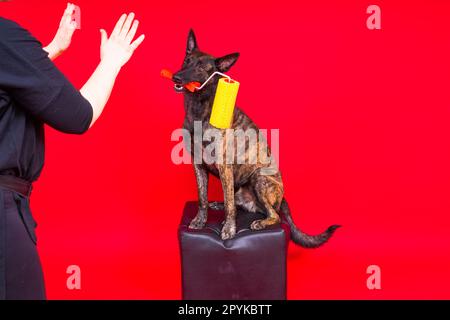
{"x":191,"y":42}
{"x":224,"y":64}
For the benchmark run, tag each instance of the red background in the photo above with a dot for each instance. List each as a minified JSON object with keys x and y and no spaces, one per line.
{"x":364,"y":142}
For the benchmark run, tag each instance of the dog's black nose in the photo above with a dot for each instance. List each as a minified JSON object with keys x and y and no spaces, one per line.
{"x":177,"y":79}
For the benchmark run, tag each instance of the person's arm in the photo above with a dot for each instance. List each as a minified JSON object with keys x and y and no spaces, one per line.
{"x":41,"y":90}
{"x":116,"y":51}
{"x":63,"y":36}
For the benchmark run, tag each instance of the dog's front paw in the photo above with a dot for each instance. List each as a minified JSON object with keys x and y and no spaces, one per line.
{"x":228,"y":230}
{"x":198,"y":222}
{"x":257,"y":225}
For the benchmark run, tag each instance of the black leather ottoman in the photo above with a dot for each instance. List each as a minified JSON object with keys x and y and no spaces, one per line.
{"x":251,"y":266}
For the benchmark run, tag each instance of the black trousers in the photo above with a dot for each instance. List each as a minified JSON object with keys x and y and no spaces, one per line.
{"x":21,"y":276}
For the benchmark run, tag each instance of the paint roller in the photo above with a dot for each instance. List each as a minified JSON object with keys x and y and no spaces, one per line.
{"x":224,"y":100}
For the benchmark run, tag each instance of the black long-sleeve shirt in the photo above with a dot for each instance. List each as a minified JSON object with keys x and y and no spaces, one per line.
{"x":33,"y":92}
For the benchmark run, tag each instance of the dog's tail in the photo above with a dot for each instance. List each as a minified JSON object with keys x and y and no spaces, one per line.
{"x":302,"y":238}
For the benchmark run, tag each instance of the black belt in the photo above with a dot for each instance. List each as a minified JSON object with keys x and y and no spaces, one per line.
{"x":15,"y":184}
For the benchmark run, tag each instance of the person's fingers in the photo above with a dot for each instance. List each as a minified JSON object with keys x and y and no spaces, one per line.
{"x":67,"y":20}
{"x":67,"y":13}
{"x":133,"y":30}
{"x":137,"y":42}
{"x":126,"y":26}
{"x":64,"y":16}
{"x":119,"y":25}
{"x":104,"y":36}
{"x":69,"y":9}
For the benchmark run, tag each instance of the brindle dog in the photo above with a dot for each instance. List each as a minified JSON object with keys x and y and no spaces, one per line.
{"x":245,"y":185}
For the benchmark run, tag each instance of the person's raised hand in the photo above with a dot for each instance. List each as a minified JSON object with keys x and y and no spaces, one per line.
{"x":63,"y":36}
{"x":117,"y":50}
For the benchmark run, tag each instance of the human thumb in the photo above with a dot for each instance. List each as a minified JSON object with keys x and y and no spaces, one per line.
{"x":104,"y":36}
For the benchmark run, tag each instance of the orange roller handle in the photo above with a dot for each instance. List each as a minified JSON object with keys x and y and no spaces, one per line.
{"x":166,"y":74}
{"x":192,"y":86}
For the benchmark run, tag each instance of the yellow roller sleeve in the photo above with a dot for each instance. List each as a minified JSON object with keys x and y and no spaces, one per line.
{"x":224,"y":102}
